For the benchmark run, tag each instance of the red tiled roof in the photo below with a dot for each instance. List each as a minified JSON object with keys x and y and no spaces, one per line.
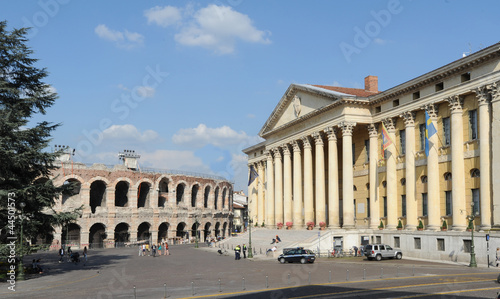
{"x":353,"y":91}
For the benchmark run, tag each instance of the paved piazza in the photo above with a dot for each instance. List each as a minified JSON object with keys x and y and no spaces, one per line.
{"x":113,"y":273}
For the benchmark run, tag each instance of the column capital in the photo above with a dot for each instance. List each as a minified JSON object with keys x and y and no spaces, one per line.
{"x":318,"y":138}
{"x":331,"y":132}
{"x":286,"y":149}
{"x":390,"y":124}
{"x":456,"y":103}
{"x":372,"y":130}
{"x":347,"y":127}
{"x":431,"y":109}
{"x":482,"y":94}
{"x":409,"y":118}
{"x":495,"y":91}
{"x":296,"y":145}
{"x":306,"y":140}
{"x":269,"y":154}
{"x":277,"y":153}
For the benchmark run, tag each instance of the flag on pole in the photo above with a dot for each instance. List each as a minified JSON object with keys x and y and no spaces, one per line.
{"x":386,"y":140}
{"x":430,"y":130}
{"x":253,"y":175}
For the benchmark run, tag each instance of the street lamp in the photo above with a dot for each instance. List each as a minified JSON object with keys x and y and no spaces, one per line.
{"x":196,"y":231}
{"x":20,"y":276}
{"x":250,"y":221}
{"x":473,"y":263}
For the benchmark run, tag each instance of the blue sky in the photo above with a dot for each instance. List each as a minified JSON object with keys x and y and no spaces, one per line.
{"x":188,"y":85}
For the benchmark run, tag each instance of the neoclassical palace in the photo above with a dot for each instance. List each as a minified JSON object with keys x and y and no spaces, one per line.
{"x":123,"y":205}
{"x":322,"y":159}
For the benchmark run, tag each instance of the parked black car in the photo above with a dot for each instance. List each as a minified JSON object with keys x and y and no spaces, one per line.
{"x":298,"y":254}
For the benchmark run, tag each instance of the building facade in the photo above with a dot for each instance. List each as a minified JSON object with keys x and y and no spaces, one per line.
{"x":125,"y":206}
{"x":324,"y":158}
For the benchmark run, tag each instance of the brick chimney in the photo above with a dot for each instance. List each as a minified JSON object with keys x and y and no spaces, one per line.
{"x":371,"y":83}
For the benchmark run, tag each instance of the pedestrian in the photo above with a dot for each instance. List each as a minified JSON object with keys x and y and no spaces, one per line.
{"x":61,"y":254}
{"x":355,"y":250}
{"x":159,"y":249}
{"x":85,"y":255}
{"x":143,"y":249}
{"x":153,"y":250}
{"x":244,"y":251}
{"x":237,"y":251}
{"x":70,"y":252}
{"x":166,"y":249}
{"x":278,"y":239}
{"x":498,"y":256}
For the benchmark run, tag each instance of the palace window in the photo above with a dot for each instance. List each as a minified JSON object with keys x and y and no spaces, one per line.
{"x":417,"y":243}
{"x":449,"y":201}
{"x":402,"y":141}
{"x":353,"y":156}
{"x":439,"y":86}
{"x":474,"y":173}
{"x":422,"y":136}
{"x":423,"y":179}
{"x":395,"y":103}
{"x":378,"y":109}
{"x":385,"y":206}
{"x":403,"y":181}
{"x":403,"y":205}
{"x":416,"y":95}
{"x":424,"y":204}
{"x":472,"y":124}
{"x":475,"y":200}
{"x":440,"y":245}
{"x":465,"y":77}
{"x":368,"y":207}
{"x":467,"y":246}
{"x":367,"y":147}
{"x":446,"y":131}
{"x":447,"y":176}
{"x":397,"y":242}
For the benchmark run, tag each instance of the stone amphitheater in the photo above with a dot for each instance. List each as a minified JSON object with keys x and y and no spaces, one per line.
{"x":123,"y":204}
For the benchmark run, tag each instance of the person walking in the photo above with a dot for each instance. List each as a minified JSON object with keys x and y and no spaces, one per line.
{"x":244,"y":251}
{"x":159,"y":249}
{"x":85,"y":255}
{"x":498,"y":257}
{"x":153,"y":250}
{"x":61,"y":254}
{"x":166,"y":249}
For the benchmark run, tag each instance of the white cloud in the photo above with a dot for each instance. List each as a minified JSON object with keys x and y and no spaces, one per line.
{"x":214,"y":27}
{"x":123,"y":39}
{"x":145,"y":91}
{"x":336,"y":83}
{"x":222,"y":137}
{"x":179,"y":160}
{"x":129,"y":133}
{"x":380,"y":41}
{"x":163,"y":16}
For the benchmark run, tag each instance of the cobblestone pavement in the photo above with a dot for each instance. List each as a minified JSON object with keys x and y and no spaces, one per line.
{"x":192,"y":272}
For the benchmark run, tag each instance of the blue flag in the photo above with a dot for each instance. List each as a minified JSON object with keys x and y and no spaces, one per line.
{"x":253,"y":175}
{"x":430,"y":130}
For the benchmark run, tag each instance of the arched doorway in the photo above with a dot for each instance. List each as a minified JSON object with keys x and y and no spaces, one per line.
{"x":224,"y":229}
{"x":206,"y":231}
{"x":181,"y":233}
{"x":122,"y":235}
{"x":121,"y":194}
{"x":71,"y":235}
{"x":97,"y":235}
{"x":97,"y":195}
{"x":217,"y":230}
{"x":163,"y":232}
{"x":143,"y":233}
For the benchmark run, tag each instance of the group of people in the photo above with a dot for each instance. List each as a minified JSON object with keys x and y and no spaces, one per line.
{"x":73,"y":257}
{"x":237,"y":252}
{"x":160,"y":249}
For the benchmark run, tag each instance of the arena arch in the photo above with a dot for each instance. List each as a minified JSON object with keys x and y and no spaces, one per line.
{"x":163,"y":192}
{"x":194,"y":194}
{"x":71,"y":234}
{"x":72,"y":188}
{"x":143,"y":232}
{"x":224,"y":194}
{"x":163,"y":232}
{"x":97,"y":195}
{"x":143,"y":195}
{"x":179,"y":193}
{"x":121,"y":194}
{"x":97,"y":235}
{"x":181,"y":233}
{"x":195,"y":230}
{"x":216,"y":198}
{"x":206,"y":231}
{"x":224,"y":230}
{"x":122,"y":234}
{"x":206,"y":196}
{"x":217,"y":229}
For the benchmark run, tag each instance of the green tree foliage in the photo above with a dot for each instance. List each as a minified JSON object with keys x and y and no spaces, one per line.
{"x":25,"y":162}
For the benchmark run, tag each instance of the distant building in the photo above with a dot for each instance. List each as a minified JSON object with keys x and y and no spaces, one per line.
{"x":324,"y":158}
{"x":122,"y":204}
{"x":240,"y":211}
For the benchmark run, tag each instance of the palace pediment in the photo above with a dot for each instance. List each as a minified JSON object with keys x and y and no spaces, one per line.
{"x":299,"y":102}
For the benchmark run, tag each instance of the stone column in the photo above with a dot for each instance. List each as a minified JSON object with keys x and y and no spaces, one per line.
{"x":411,"y":202}
{"x":391,"y":176}
{"x":320,"y":178}
{"x":287,"y":184}
{"x":258,"y":215}
{"x":270,"y":190}
{"x":347,"y":175}
{"x":308,"y":181}
{"x":457,"y":163}
{"x":433,"y":177}
{"x":482,"y":94}
{"x":298,"y":205}
{"x":333,"y":179}
{"x":495,"y":149}
{"x":278,"y":187}
{"x":254,"y":195}
{"x":373,"y":175}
